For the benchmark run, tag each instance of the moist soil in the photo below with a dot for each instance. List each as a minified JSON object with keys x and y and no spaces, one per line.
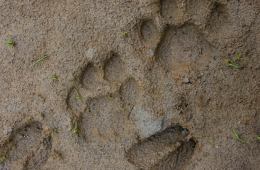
{"x":130,"y":84}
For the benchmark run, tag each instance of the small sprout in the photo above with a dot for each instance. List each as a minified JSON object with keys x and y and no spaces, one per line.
{"x":10,"y":42}
{"x":54,"y":77}
{"x":237,"y":136}
{"x":40,"y":60}
{"x":125,"y":34}
{"x":258,"y":138}
{"x":75,"y":126}
{"x":78,"y":96}
{"x":234,"y":62}
{"x":233,"y":65}
{"x":237,"y":57}
{"x":2,"y":159}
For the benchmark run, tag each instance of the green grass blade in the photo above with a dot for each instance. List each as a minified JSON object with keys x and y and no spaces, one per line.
{"x":10,"y":42}
{"x":237,"y":136}
{"x":234,"y":65}
{"x":2,"y":159}
{"x":54,"y":77}
{"x":78,"y":95}
{"x":40,"y":60}
{"x":258,"y":138}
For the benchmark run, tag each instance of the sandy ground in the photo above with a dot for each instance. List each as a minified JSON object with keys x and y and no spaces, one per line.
{"x":129,"y":84}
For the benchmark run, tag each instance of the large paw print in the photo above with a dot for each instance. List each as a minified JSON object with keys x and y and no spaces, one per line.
{"x":171,"y":51}
{"x":173,"y":48}
{"x":27,"y":147}
{"x":114,"y":104}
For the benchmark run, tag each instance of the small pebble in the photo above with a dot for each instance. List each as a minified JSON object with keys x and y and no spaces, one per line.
{"x":186,"y":80}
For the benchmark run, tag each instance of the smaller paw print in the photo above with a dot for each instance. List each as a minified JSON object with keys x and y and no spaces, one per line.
{"x":96,"y":80}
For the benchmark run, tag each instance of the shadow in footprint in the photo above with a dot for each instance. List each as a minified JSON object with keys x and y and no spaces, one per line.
{"x":149,"y":32}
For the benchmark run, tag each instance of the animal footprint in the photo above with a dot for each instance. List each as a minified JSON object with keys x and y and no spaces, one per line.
{"x":173,"y":11}
{"x":225,"y":26}
{"x":105,"y":94}
{"x":180,"y":50}
{"x":164,"y":150}
{"x":149,"y":32}
{"x":145,"y":35}
{"x":178,"y":159}
{"x":116,"y":102}
{"x":27,"y":146}
{"x":184,"y":48}
{"x":94,"y":81}
{"x":169,"y":47}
